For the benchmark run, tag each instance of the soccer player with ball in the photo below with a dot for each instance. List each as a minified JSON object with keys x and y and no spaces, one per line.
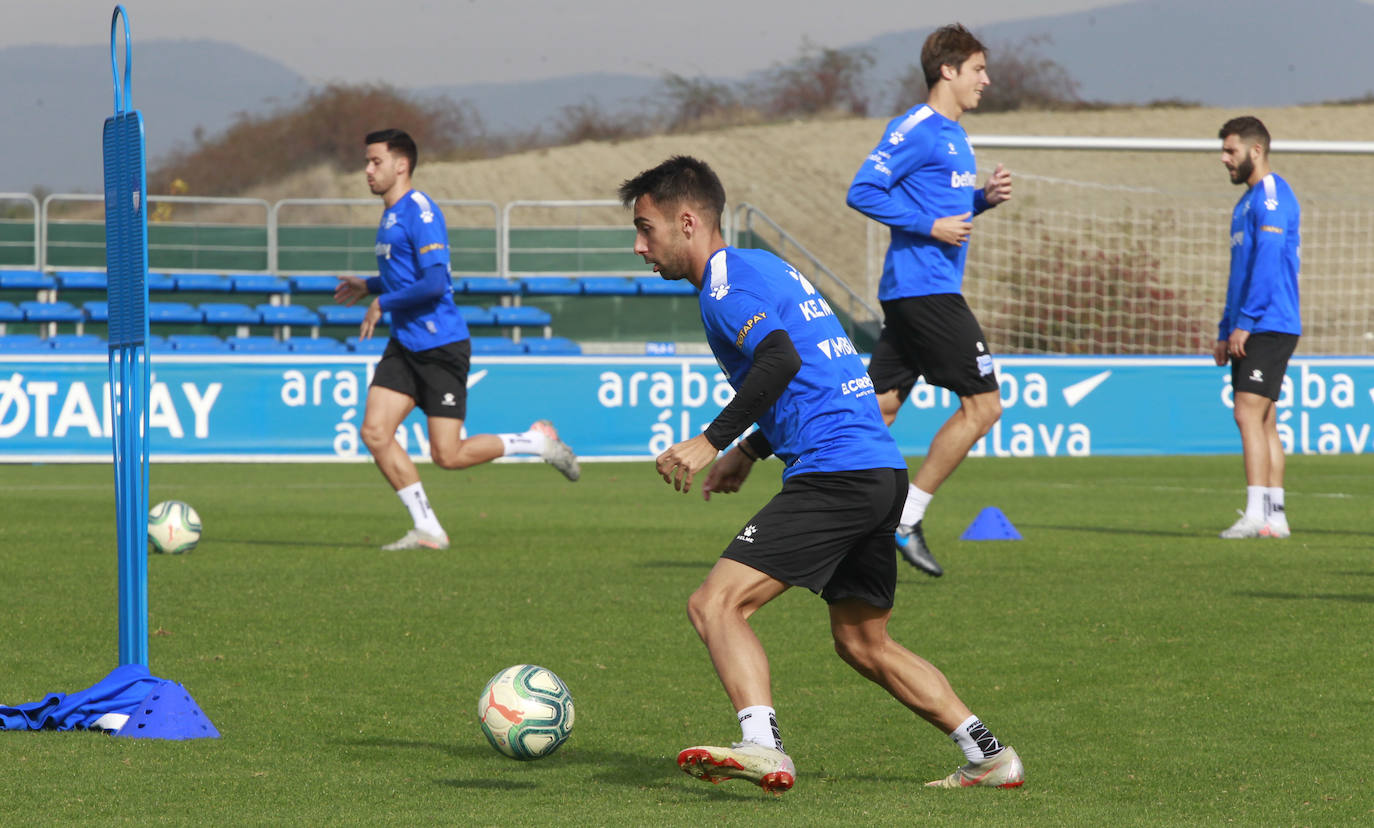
{"x":830,"y":529}
{"x":426,"y":362}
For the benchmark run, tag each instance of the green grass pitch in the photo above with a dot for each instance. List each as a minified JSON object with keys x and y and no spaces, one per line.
{"x":1148,"y":672}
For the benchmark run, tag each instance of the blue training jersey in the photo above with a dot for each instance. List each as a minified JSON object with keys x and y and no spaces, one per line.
{"x":922,"y":170}
{"x":411,"y":237}
{"x":827,"y":419}
{"x":1262,"y":291}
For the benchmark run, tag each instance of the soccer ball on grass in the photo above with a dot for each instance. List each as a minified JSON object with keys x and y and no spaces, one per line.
{"x":526,"y":712}
{"x":173,"y":527}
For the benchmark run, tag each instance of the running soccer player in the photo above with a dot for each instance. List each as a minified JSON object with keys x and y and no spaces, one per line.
{"x":426,"y":361}
{"x":1261,"y":323}
{"x":797,"y":376}
{"x":921,"y":181}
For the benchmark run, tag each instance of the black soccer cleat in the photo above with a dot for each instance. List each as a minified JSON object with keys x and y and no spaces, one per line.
{"x":911,"y":542}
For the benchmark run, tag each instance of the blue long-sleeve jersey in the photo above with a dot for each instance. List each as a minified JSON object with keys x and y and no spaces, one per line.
{"x":412,"y":248}
{"x":1262,"y":291}
{"x":923,"y":169}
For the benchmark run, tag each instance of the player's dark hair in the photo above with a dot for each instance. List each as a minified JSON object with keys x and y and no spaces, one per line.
{"x":1248,"y":129}
{"x":680,"y":179}
{"x":948,"y":46}
{"x":397,"y":141}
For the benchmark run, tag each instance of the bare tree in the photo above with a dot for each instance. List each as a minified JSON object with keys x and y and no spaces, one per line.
{"x":819,"y":81}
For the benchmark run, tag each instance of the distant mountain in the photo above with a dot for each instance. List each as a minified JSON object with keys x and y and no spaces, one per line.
{"x":1259,"y":53}
{"x":55,"y":101}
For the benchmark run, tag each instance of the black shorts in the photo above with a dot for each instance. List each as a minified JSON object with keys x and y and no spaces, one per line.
{"x":830,"y":532}
{"x":1262,"y":368}
{"x":932,"y":336}
{"x":436,"y":379}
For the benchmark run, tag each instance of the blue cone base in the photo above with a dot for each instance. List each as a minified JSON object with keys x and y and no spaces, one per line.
{"x":168,"y":712}
{"x":990,"y":524}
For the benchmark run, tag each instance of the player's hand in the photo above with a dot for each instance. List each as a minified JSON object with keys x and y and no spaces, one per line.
{"x":370,"y":319}
{"x":349,"y":290}
{"x":680,"y":463}
{"x":1219,"y":351}
{"x":1236,"y":344}
{"x":728,"y":474}
{"x":998,"y":187}
{"x":953,"y":230}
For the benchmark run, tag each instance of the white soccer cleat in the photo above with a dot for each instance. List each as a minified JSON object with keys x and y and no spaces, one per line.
{"x":1276,"y":528}
{"x":769,"y":768}
{"x":1245,"y":527}
{"x":556,"y":452}
{"x":415,"y":539}
{"x":1001,"y":771}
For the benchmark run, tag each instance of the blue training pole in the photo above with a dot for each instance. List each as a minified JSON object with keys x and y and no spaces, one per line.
{"x":126,"y":263}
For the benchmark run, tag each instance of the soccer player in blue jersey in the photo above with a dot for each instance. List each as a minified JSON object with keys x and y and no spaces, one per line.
{"x":921,"y":181}
{"x":426,"y":361}
{"x":797,"y":376}
{"x":1261,"y":323}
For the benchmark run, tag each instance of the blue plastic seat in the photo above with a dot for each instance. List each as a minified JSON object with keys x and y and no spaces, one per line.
{"x":475,"y":316}
{"x":203,"y":283}
{"x":161,"y":283}
{"x":10,"y":312}
{"x":320,"y":345}
{"x":259,"y":283}
{"x":82,"y":280}
{"x":346,"y":315}
{"x":525,"y":316}
{"x":375,"y":345}
{"x":197,"y":343}
{"x":78,"y":343}
{"x":97,"y":310}
{"x":26,"y":280}
{"x":314,"y":284}
{"x":550,"y":286}
{"x":495,"y":345}
{"x":51,"y":312}
{"x":174,"y":313}
{"x":23,"y":342}
{"x":554,"y":345}
{"x":256,"y":345}
{"x":229,"y":313}
{"x":608,"y":286}
{"x":489,"y":286}
{"x":663,"y":287}
{"x":288,"y":315}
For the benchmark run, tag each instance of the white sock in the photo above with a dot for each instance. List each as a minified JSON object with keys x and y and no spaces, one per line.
{"x":531,"y":442}
{"x":413,"y":496}
{"x":975,"y":740}
{"x":1276,"y":510}
{"x":916,"y":503}
{"x":760,"y":725}
{"x":1254,"y":502}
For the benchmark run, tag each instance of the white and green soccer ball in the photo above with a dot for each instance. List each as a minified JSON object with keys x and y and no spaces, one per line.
{"x":526,"y":712}
{"x":173,"y":527}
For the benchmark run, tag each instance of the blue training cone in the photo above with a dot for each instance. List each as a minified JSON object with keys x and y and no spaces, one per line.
{"x":168,"y":712}
{"x":990,"y":524}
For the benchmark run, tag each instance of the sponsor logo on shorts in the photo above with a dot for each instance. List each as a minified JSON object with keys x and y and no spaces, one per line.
{"x":982,"y":349}
{"x":748,"y":534}
{"x":984,"y":365}
{"x":748,"y":326}
{"x":1257,"y":375}
{"x":448,"y":400}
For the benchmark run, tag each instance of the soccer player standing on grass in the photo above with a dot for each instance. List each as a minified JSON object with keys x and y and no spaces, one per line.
{"x":920,"y":181}
{"x":1261,"y":324}
{"x":426,"y":361}
{"x":797,"y":376}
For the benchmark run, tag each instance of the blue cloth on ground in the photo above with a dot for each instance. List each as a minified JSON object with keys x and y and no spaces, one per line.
{"x":119,"y":692}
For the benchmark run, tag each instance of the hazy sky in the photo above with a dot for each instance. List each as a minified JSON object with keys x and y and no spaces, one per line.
{"x":410,"y":43}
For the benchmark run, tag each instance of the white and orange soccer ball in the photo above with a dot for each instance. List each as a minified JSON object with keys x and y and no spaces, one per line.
{"x":526,"y":712}
{"x":173,"y":527}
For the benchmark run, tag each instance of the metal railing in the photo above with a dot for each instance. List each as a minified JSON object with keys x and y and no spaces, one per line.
{"x":11,"y":227}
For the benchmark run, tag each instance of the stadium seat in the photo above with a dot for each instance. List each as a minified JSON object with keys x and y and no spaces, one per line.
{"x":203,"y":283}
{"x":174,"y":313}
{"x":259,"y":283}
{"x":97,"y":310}
{"x":375,"y":345}
{"x":51,"y":312}
{"x":23,"y":342}
{"x":298,"y":315}
{"x":321,"y":345}
{"x":608,"y":286}
{"x":26,"y":280}
{"x":10,"y":312}
{"x":78,"y":343}
{"x":476,"y":317}
{"x":313,"y":284}
{"x":256,"y":345}
{"x":82,"y":280}
{"x":662,"y":287}
{"x":552,"y":346}
{"x":523,"y":316}
{"x":161,"y":283}
{"x":229,"y":313}
{"x":495,"y":345}
{"x":197,"y":343}
{"x":346,"y":315}
{"x":488,"y":285}
{"x":550,"y":286}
